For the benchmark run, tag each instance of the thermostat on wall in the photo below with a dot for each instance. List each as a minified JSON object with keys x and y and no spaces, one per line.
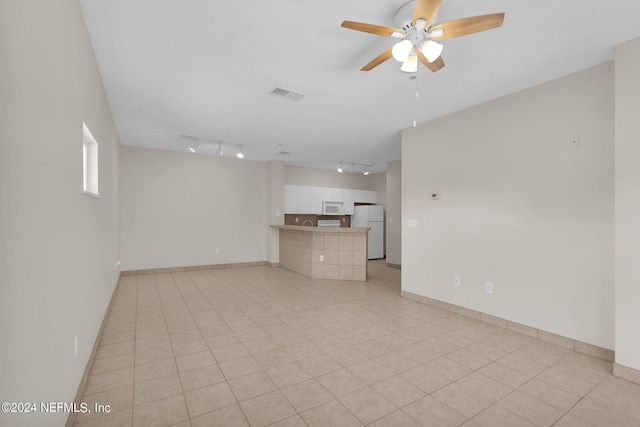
{"x":435,"y":196}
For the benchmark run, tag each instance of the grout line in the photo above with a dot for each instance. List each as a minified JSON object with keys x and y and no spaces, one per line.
{"x":258,"y":295}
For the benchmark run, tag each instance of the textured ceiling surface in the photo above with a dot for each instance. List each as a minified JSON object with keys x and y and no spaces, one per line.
{"x":204,"y":68}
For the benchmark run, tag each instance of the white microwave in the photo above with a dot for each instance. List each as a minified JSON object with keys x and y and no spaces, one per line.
{"x":332,"y":208}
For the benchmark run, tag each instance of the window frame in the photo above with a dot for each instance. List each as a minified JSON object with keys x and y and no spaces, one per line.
{"x":90,"y":170}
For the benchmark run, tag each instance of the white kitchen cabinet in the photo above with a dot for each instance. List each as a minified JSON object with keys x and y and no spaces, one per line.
{"x":365,"y":196}
{"x":327,"y":194}
{"x":301,"y":199}
{"x":371,"y":196}
{"x":315,"y":202}
{"x":304,"y":200}
{"x":347,"y":198}
{"x":338,"y":195}
{"x":290,"y":199}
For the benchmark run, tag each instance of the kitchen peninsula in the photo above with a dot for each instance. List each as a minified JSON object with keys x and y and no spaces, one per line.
{"x":338,"y":253}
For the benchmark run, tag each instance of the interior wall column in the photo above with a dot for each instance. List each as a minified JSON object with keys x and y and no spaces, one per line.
{"x":275,"y":208}
{"x":627,"y":210}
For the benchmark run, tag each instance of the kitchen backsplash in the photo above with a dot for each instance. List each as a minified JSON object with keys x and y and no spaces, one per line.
{"x":290,"y":219}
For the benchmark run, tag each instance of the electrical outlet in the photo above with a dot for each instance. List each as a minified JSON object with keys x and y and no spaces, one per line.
{"x":297,"y":219}
{"x":277,"y":213}
{"x":321,"y":258}
{"x":344,"y":220}
{"x":217,"y":250}
{"x":488,"y":288}
{"x":413,"y":223}
{"x":116,"y":266}
{"x":456,"y":281}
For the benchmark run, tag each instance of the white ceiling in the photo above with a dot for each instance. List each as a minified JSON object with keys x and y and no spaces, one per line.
{"x":204,"y":67}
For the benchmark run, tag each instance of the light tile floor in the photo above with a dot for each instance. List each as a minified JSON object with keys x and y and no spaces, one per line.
{"x":262,"y":346}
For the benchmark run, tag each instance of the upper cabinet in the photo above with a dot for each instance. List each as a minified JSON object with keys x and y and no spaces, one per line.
{"x":347,"y":198}
{"x":316,"y":200}
{"x":291,"y":199}
{"x":300,"y":199}
{"x":365,"y":196}
{"x":304,"y":199}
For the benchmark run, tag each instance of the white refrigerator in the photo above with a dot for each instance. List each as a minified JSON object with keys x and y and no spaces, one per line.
{"x":371,"y":216}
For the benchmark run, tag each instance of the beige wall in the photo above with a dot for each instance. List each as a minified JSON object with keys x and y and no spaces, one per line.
{"x":378,"y":183}
{"x":393,"y":226}
{"x":518,"y":207}
{"x":177,"y":208}
{"x":315,"y":177}
{"x":627,"y":185}
{"x":57,"y":247}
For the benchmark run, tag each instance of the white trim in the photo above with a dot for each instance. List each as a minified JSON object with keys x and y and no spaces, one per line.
{"x":89,"y":161}
{"x":94,"y":195}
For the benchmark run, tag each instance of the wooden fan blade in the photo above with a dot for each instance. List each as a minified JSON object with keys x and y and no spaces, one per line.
{"x":474,"y":24}
{"x":378,"y":60}
{"x":380,"y":30}
{"x":433,"y":66}
{"x":427,"y":10}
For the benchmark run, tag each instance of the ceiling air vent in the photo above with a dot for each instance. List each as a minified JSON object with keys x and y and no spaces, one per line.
{"x":284,"y":153}
{"x":286,"y":94}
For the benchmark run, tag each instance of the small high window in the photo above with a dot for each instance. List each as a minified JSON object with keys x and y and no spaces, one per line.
{"x":89,"y":163}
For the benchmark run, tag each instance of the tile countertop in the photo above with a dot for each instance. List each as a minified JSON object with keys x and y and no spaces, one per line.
{"x":322,"y":229}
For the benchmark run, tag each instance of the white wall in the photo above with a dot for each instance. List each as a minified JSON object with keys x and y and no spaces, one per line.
{"x":177,"y":208}
{"x":57,"y":246}
{"x":519,"y":208}
{"x":394,"y":212}
{"x":315,"y":177}
{"x":627,"y":185}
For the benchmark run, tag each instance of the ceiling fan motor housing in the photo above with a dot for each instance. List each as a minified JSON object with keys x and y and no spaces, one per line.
{"x":404,"y":15}
{"x":403,"y":20}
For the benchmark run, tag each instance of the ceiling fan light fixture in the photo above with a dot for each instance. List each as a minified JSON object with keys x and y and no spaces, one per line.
{"x":436,"y":33}
{"x":240,"y":155}
{"x":410,"y":65}
{"x":402,"y":50}
{"x":432,"y":50}
{"x":340,"y":168}
{"x":192,"y":148}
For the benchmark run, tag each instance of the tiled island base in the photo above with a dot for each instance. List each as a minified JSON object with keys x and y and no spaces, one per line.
{"x":324,"y":253}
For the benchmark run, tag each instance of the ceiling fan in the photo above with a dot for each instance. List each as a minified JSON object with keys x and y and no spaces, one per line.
{"x":415,"y":20}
